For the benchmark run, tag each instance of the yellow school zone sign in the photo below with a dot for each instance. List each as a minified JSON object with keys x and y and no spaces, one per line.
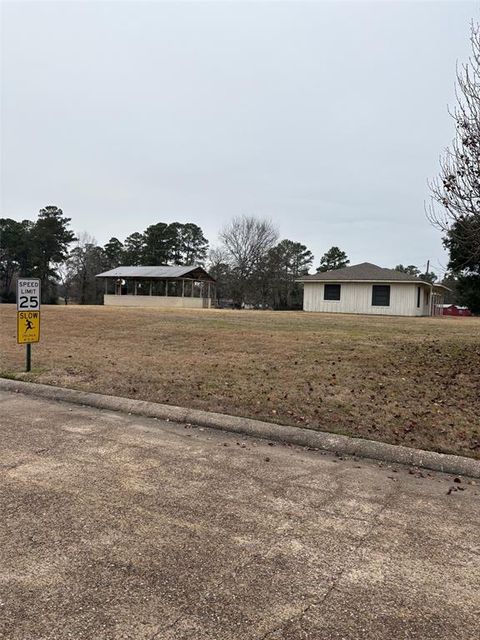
{"x":28,"y":327}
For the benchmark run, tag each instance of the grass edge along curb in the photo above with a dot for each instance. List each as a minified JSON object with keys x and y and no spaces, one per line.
{"x":334,"y":443}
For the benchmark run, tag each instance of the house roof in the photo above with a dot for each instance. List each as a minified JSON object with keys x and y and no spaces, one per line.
{"x":364,"y":272}
{"x":153,"y":273}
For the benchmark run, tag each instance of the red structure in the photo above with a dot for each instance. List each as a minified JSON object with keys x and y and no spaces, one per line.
{"x":455,"y":310}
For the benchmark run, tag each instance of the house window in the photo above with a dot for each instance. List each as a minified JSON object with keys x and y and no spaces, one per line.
{"x":381,"y":295}
{"x":419,"y":290}
{"x":331,"y":292}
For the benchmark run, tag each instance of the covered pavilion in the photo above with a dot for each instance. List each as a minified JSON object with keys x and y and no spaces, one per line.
{"x":162,"y":286}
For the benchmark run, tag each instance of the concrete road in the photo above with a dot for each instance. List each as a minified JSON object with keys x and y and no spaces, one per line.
{"x":118,"y":527}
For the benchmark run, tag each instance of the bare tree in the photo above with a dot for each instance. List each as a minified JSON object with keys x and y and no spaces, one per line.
{"x":85,"y":260}
{"x":218,"y":265}
{"x":247,"y":241}
{"x":457,"y":188}
{"x":64,"y":280}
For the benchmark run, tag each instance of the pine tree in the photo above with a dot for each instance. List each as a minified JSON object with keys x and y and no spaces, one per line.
{"x":334,"y":258}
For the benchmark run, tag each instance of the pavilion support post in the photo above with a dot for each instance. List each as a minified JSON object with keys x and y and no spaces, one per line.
{"x":183,"y":288}
{"x":166,"y":288}
{"x":151,"y":283}
{"x":106,"y":286}
{"x":193,"y":287}
{"x":135,"y":287}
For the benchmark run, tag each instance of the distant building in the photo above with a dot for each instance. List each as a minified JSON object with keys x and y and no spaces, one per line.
{"x":183,"y":287}
{"x":455,"y":310}
{"x":369,"y":289}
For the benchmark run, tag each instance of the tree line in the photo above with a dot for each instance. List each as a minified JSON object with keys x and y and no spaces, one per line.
{"x":67,"y":265}
{"x":251,"y":265}
{"x":254,"y":268}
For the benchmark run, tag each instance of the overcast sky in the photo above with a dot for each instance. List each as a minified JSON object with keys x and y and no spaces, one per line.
{"x":326,"y":117}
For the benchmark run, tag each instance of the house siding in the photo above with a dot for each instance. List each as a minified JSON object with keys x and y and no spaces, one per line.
{"x":356,"y":297}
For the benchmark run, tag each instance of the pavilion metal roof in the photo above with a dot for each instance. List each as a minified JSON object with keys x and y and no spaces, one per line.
{"x":153,"y":272}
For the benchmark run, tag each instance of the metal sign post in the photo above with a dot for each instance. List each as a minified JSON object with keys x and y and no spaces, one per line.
{"x":28,"y":358}
{"x":28,"y":315}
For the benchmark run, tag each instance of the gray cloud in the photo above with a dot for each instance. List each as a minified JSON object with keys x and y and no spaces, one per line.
{"x":326,"y":117}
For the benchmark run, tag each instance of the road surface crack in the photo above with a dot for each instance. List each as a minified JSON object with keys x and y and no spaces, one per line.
{"x":338,"y":576}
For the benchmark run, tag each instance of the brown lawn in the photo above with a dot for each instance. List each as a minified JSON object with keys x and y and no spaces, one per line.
{"x":414,"y":381}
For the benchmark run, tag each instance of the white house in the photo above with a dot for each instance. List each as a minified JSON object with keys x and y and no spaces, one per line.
{"x":366,"y":288}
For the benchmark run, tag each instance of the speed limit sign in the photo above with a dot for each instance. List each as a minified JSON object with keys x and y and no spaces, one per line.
{"x":28,"y":315}
{"x":28,"y":294}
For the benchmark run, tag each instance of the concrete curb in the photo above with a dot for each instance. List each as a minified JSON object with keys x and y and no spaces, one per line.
{"x":339,"y":444}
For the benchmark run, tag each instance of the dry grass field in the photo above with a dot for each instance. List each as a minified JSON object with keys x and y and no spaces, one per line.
{"x":412,"y":381}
